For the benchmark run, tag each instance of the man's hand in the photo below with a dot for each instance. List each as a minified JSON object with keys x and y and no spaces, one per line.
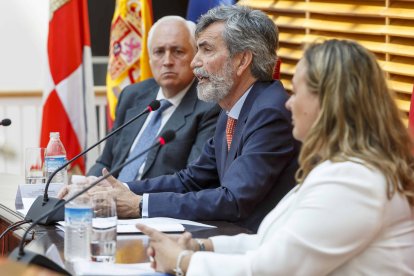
{"x":127,"y":203}
{"x":66,"y":190}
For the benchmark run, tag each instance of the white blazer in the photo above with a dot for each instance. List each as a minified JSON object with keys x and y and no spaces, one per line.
{"x":339,"y":222}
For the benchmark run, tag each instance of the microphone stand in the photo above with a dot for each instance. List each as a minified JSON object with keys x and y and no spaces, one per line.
{"x":44,"y":204}
{"x":29,"y":257}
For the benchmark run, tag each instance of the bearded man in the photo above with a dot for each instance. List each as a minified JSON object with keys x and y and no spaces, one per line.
{"x":250,"y":163}
{"x":171,"y":47}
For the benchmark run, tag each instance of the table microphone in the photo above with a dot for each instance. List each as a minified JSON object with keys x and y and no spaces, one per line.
{"x":43,"y":204}
{"x":29,"y":257}
{"x":5,"y":122}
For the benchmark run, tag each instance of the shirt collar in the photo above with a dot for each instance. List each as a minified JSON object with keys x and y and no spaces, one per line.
{"x":235,"y":110}
{"x":176,"y":99}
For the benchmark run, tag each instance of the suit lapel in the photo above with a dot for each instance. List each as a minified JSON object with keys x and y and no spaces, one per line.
{"x":220,"y":144}
{"x":241,"y":122}
{"x":130,"y":132}
{"x":184,"y":109}
{"x":176,"y":121}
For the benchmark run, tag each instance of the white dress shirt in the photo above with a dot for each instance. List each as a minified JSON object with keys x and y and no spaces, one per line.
{"x":339,"y":222}
{"x":237,"y":107}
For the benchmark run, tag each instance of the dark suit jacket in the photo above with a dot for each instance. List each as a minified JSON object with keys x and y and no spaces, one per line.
{"x":242,"y":185}
{"x":193,"y":121}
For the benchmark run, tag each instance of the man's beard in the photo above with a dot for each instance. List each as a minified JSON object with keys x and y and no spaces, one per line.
{"x":218,"y":86}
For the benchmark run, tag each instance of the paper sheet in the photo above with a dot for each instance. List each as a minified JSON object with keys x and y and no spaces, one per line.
{"x":129,"y":228}
{"x":104,"y":269}
{"x":162,"y":220}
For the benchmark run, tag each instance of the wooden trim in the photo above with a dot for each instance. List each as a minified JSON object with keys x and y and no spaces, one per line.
{"x":21,"y":94}
{"x":99,"y":92}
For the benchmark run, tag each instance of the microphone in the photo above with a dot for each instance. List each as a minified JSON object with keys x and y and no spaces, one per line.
{"x":5,"y":122}
{"x":43,"y":204}
{"x":29,"y":257}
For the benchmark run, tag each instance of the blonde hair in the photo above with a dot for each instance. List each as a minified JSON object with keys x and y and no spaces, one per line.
{"x":358,"y":116}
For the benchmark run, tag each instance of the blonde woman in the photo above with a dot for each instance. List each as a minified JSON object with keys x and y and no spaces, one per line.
{"x":352,"y":211}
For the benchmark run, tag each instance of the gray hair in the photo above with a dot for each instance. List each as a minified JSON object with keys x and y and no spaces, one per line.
{"x":246,"y":30}
{"x":173,"y":18}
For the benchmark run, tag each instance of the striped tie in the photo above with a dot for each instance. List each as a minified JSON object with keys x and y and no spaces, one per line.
{"x":147,"y":138}
{"x":230,"y":126}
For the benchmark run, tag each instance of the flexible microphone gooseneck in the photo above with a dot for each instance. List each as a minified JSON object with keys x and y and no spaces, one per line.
{"x":29,"y":257}
{"x":43,"y":204}
{"x":5,"y":122}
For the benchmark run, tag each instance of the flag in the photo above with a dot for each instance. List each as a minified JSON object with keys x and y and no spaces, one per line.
{"x":68,"y":99}
{"x":128,"y":54}
{"x":196,"y":8}
{"x":411,"y":115}
{"x":276,"y":71}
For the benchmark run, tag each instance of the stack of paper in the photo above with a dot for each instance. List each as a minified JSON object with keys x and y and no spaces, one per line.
{"x":128,"y":226}
{"x":166,"y":225}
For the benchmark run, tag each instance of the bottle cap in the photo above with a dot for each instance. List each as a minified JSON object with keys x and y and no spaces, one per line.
{"x":54,"y":135}
{"x":79,"y":179}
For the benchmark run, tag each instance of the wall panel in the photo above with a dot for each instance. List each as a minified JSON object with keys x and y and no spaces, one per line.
{"x":384,"y":27}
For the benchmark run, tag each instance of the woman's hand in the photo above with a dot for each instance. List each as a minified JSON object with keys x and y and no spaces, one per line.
{"x":164,"y":250}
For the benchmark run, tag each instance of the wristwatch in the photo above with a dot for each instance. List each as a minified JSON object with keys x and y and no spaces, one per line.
{"x":201,"y":246}
{"x":140,"y":208}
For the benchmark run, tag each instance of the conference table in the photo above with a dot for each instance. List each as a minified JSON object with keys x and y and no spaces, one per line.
{"x":130,"y":248}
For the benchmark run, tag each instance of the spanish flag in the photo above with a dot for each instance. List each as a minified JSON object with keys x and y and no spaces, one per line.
{"x":128,"y":54}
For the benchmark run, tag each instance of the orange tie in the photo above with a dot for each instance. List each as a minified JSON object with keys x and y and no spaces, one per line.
{"x":230,"y":126}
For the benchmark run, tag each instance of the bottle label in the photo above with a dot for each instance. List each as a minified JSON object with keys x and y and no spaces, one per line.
{"x":78,"y":215}
{"x":54,"y":162}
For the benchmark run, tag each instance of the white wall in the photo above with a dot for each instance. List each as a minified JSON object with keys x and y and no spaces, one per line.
{"x":23,"y":35}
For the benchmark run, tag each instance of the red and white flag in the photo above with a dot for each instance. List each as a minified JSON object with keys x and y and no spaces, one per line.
{"x":68,"y":99}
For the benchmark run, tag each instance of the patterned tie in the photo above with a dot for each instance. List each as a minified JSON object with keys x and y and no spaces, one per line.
{"x":130,"y":172}
{"x":230,"y":126}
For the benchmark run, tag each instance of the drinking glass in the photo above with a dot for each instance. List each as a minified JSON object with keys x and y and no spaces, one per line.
{"x":104,"y":222}
{"x":34,"y":166}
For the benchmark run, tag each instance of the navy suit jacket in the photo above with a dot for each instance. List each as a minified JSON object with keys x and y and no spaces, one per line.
{"x":241,"y":185}
{"x":193,"y":121}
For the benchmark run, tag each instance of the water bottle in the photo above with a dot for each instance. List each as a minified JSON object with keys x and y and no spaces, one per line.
{"x":78,"y":226}
{"x":54,"y":158}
